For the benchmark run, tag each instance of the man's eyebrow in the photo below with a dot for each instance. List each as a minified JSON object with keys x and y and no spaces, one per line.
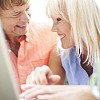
{"x":16,"y":11}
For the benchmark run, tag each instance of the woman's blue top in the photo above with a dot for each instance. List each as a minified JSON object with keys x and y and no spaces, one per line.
{"x":76,"y":75}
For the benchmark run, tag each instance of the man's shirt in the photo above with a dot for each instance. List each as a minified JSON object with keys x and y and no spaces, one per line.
{"x":34,"y":51}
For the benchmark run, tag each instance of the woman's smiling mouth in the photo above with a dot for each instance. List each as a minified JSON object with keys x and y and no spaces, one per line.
{"x":61,"y":36}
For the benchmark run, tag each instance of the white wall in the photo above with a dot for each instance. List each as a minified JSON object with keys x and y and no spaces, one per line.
{"x":38,"y":10}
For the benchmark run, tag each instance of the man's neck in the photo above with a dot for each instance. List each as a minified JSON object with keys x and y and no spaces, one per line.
{"x":14,"y":44}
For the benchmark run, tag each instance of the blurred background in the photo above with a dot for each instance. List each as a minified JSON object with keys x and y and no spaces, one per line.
{"x":38,"y":11}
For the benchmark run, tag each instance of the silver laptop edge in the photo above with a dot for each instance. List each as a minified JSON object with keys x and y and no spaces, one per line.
{"x":8,"y":84}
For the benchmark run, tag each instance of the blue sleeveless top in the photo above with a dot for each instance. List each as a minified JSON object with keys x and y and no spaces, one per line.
{"x":76,"y":75}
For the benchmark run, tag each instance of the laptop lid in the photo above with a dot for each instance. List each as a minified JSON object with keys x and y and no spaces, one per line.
{"x":8,"y":84}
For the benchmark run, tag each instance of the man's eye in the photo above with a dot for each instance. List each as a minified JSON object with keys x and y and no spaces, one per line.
{"x":17,"y":14}
{"x":28,"y":9}
{"x":59,"y":19}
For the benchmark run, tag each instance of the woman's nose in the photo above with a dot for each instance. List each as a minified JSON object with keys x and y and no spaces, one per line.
{"x":54,"y":29}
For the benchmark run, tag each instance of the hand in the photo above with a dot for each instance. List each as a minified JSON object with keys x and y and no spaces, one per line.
{"x":42,"y":76}
{"x":57,"y":92}
{"x":34,"y":92}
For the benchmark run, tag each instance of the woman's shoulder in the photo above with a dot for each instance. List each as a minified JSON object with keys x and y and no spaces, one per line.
{"x":67,"y":52}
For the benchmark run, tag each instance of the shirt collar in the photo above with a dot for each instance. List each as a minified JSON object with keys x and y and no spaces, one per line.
{"x":24,"y":37}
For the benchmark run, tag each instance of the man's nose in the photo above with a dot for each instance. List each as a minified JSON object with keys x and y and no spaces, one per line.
{"x":25,"y":18}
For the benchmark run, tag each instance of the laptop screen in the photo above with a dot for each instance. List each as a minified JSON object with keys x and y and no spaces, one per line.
{"x":8,"y":84}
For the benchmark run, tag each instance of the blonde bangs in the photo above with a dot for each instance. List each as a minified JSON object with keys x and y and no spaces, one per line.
{"x":56,"y":8}
{"x":52,"y":8}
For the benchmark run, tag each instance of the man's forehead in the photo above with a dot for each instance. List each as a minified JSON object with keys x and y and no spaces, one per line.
{"x":20,"y":8}
{"x":16,"y":9}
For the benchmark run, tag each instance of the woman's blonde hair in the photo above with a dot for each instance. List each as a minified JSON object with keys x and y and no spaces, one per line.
{"x":6,"y":4}
{"x":84,"y":18}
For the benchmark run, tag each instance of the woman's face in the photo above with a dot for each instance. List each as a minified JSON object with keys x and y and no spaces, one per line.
{"x":16,"y":20}
{"x":63,"y":29}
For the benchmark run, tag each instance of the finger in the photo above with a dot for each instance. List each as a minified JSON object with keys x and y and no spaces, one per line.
{"x":21,"y":99}
{"x":37,"y":90}
{"x":31,"y":93}
{"x":52,"y":96}
{"x":45,"y":97}
{"x":26,"y":86}
{"x":44,"y":79}
{"x":46,"y":70}
{"x":28,"y":99}
{"x":54,"y":79}
{"x":29,"y":90}
{"x":41,"y":75}
{"x":37,"y":72}
{"x":32,"y":79}
{"x":28,"y":80}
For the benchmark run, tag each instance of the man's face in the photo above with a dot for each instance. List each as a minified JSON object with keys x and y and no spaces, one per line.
{"x":16,"y":20}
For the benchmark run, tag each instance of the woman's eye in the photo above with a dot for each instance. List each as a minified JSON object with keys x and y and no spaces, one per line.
{"x":59,"y":19}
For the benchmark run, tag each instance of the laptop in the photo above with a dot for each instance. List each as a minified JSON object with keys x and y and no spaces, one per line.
{"x":8,"y":84}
